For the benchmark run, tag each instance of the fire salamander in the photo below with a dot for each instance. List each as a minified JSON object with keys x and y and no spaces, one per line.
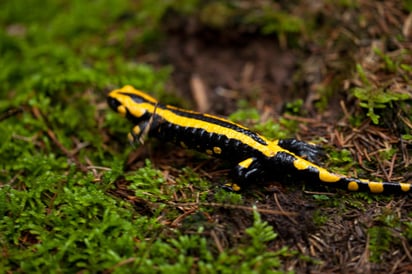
{"x":256,"y":157}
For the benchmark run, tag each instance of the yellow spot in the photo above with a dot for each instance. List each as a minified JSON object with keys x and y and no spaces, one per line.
{"x":217,"y":150}
{"x":130,"y":138}
{"x":183,"y":145}
{"x":301,"y":164}
{"x":327,"y":177}
{"x":375,"y":187}
{"x":136,"y":130}
{"x":246,"y":163}
{"x":208,"y":151}
{"x":353,"y":186}
{"x":405,"y":187}
{"x":122,"y":110}
{"x":233,"y":187}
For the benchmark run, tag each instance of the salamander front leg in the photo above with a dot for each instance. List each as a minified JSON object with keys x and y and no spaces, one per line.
{"x":248,"y":170}
{"x":138,"y":133}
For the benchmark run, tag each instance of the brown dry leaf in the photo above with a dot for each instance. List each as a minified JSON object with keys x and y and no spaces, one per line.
{"x":199,"y":92}
{"x":407,"y":27}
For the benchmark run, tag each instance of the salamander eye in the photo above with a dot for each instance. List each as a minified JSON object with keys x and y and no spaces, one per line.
{"x":113,"y":103}
{"x":117,"y":106}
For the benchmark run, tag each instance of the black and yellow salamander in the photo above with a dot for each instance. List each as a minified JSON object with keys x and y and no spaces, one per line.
{"x":256,"y":157}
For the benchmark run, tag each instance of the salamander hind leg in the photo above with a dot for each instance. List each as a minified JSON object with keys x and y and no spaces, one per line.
{"x":307,"y":151}
{"x":248,"y":170}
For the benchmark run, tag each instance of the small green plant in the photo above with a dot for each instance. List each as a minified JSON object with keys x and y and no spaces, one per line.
{"x":191,"y":177}
{"x":274,"y":21}
{"x":380,"y":240}
{"x":261,"y":233}
{"x":375,"y":97}
{"x":382,"y":235}
{"x":407,"y":5}
{"x":408,"y":231}
{"x":407,"y":137}
{"x":227,"y":197}
{"x":319,"y":217}
{"x":270,"y":129}
{"x":295,"y":107}
{"x":245,"y":115}
{"x":321,"y":197}
{"x":340,"y":160}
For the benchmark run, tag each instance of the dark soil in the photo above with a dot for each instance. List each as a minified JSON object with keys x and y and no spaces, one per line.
{"x":243,"y":67}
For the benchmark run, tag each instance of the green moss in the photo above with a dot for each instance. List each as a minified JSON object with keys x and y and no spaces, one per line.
{"x":319,"y":217}
{"x":274,"y":20}
{"x":383,"y":235}
{"x":244,"y":114}
{"x":147,"y":182}
{"x":340,"y":161}
{"x":189,"y":177}
{"x":380,"y":240}
{"x":408,"y":230}
{"x":56,"y":221}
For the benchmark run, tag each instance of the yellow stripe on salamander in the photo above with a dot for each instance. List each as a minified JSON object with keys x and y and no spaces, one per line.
{"x":139,"y":109}
{"x":324,"y":175}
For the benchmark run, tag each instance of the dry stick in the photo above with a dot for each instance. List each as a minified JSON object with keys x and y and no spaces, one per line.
{"x":246,"y":208}
{"x":406,"y":249}
{"x":11,"y":112}
{"x":275,"y":196}
{"x":181,"y":217}
{"x":217,"y":242}
{"x":396,"y":265}
{"x":146,"y":129}
{"x":301,"y":119}
{"x":391,"y":167}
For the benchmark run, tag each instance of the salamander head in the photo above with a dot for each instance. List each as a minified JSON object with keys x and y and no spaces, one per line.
{"x":131,"y":103}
